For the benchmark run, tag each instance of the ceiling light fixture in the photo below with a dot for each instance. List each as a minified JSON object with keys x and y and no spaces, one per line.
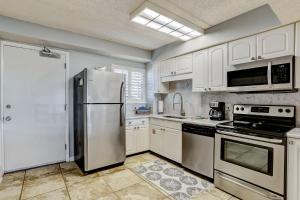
{"x":160,"y":19}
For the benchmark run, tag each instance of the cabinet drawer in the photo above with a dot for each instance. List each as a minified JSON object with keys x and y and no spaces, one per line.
{"x":166,"y":123}
{"x":137,"y":122}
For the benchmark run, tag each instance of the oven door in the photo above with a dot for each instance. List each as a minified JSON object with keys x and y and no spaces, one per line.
{"x":258,"y":162}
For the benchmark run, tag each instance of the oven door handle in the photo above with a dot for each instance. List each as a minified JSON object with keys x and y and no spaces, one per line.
{"x":275,"y":141}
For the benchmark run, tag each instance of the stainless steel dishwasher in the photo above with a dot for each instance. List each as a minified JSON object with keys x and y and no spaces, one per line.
{"x":198,"y":148}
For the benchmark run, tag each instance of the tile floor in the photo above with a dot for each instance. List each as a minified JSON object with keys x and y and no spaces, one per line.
{"x":65,"y":181}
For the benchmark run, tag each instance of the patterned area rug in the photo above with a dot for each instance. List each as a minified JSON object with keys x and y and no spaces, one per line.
{"x":176,"y":182}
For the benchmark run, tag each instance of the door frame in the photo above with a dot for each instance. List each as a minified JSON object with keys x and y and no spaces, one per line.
{"x":31,"y":47}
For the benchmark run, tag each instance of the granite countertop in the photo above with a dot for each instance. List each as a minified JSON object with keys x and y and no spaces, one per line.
{"x":294,"y":133}
{"x":192,"y":120}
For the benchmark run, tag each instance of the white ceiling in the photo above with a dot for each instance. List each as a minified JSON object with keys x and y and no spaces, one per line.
{"x":109,"y":19}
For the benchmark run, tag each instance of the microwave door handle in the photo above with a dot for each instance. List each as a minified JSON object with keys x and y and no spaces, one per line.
{"x":270,"y":74}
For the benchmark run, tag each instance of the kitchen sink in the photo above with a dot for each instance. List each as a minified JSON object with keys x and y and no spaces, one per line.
{"x":175,"y":117}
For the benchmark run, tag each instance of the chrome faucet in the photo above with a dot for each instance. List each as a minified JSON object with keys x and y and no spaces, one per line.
{"x":182,"y":113}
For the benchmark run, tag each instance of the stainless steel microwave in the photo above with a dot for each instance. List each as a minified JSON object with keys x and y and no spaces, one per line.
{"x":271,"y":75}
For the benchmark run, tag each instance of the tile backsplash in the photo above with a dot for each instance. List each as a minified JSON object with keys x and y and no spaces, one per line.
{"x":197,"y":104}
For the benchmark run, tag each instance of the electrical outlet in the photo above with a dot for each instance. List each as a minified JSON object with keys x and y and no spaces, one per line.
{"x":227,"y":108}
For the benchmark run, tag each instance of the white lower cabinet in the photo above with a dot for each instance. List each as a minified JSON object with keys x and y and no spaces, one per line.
{"x":166,"y":141}
{"x":137,"y":136}
{"x":293,"y":172}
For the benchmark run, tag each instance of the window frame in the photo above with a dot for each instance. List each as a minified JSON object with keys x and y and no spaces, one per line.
{"x":130,"y":99}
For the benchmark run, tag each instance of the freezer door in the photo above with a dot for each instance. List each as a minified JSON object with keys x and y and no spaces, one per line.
{"x":104,"y":87}
{"x":104,"y":135}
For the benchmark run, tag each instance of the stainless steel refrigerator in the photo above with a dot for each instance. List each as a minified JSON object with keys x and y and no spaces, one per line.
{"x":99,"y":127}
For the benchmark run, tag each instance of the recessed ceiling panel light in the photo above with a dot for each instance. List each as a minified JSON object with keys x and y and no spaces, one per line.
{"x":140,"y":20}
{"x":194,"y":34}
{"x":165,"y":29}
{"x":149,"y":14}
{"x":162,"y":20}
{"x":154,"y":25}
{"x":185,"y":30}
{"x":174,"y":25}
{"x":176,"y":34}
{"x":185,"y":37}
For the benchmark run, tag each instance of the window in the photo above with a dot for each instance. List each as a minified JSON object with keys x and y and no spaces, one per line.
{"x":135,"y":82}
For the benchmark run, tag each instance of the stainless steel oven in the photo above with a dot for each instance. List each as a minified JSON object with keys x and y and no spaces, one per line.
{"x":255,"y":160}
{"x":277,"y":74}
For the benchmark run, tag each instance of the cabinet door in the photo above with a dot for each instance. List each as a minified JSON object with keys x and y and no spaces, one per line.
{"x":130,"y":141}
{"x":293,"y":166}
{"x":242,"y":51}
{"x":142,"y":139}
{"x":276,"y":43}
{"x":167,"y":68}
{"x":172,"y":145}
{"x":156,"y":140}
{"x":200,"y":71}
{"x":184,"y":64}
{"x":217,"y":58}
{"x":158,"y":86}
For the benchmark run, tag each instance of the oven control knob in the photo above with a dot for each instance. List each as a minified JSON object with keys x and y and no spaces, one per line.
{"x":237,"y":108}
{"x":242,"y":109}
{"x":287,"y":110}
{"x":280,"y":110}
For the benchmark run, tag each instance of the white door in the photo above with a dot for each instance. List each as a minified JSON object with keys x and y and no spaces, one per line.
{"x":142,"y":139}
{"x":184,"y":64}
{"x":34,"y":97}
{"x":200,"y":71}
{"x":217,"y":58}
{"x":242,"y":51}
{"x":276,"y":43}
{"x":130,"y":141}
{"x":156,"y":139}
{"x":293,"y":166}
{"x":159,"y":87}
{"x":172,"y":145}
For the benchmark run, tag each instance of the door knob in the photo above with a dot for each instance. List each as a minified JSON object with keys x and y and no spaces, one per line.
{"x":8,"y":118}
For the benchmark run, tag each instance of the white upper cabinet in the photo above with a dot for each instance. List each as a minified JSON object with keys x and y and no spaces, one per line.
{"x":276,"y":43}
{"x":217,"y":62}
{"x":183,"y":64}
{"x":158,"y":86}
{"x":200,"y":71}
{"x":242,"y":51}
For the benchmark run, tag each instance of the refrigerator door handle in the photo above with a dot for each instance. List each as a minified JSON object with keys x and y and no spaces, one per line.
{"x":122,"y":104}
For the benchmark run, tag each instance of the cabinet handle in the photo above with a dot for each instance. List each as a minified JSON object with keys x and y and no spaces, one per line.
{"x":259,"y":57}
{"x":153,"y":131}
{"x":209,"y":88}
{"x":253,"y":58}
{"x":291,"y":142}
{"x":175,"y":73}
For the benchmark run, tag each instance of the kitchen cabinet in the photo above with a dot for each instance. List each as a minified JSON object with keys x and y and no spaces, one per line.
{"x":156,"y":139}
{"x":137,"y":136}
{"x":179,"y":68}
{"x":297,"y":56}
{"x":167,"y":67}
{"x":217,"y":63}
{"x":166,"y":141}
{"x":242,"y":51}
{"x":172,"y":146}
{"x":183,"y":64}
{"x":200,"y":71}
{"x":293,"y":166}
{"x":158,"y":86}
{"x":276,"y":43}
